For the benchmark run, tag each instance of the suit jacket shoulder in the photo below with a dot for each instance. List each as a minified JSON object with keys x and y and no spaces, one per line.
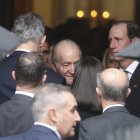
{"x":113,"y":124}
{"x":133,"y":100}
{"x":35,"y":133}
{"x":16,"y":115}
{"x":7,"y":84}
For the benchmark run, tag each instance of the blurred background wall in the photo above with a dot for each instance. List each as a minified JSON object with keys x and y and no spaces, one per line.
{"x":87,"y":22}
{"x":57,"y":11}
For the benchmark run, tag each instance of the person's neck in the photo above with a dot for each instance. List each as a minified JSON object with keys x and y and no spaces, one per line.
{"x":30,"y":46}
{"x":25,"y":89}
{"x":106,"y":103}
{"x":125,"y":63}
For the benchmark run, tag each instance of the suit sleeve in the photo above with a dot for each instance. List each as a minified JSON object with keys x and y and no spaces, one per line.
{"x":84,"y":133}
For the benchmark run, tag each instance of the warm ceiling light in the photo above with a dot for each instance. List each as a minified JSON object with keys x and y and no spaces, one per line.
{"x":93,"y":13}
{"x":106,"y":14}
{"x":80,"y":13}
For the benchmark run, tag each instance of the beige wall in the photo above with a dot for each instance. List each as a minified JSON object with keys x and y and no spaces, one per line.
{"x":44,"y":8}
{"x":57,"y":11}
{"x":120,"y":9}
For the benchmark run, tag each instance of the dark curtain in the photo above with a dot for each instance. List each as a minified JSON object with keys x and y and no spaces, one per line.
{"x":137,"y":11}
{"x":6,"y":13}
{"x":10,"y":9}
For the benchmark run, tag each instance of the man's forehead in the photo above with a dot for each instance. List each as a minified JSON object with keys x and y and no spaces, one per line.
{"x":118,"y":30}
{"x":69,"y":58}
{"x":68,"y":51}
{"x":120,"y":26}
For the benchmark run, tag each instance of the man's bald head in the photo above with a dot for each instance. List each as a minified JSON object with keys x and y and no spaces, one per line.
{"x":65,"y":55}
{"x":113,"y":84}
{"x":63,"y":47}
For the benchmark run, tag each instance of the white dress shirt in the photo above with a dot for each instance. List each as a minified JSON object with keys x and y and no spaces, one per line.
{"x":131,"y":68}
{"x":111,"y":106}
{"x":24,"y":50}
{"x":25,"y":93}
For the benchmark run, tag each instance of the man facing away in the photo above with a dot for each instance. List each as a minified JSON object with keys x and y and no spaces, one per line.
{"x":122,"y":34}
{"x":15,"y":114}
{"x":54,"y":112}
{"x":65,"y":55}
{"x":30,"y":28}
{"x":115,"y":123}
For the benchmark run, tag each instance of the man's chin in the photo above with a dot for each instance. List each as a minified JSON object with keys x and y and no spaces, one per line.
{"x":72,"y":133}
{"x":69,"y":82}
{"x":116,"y":58}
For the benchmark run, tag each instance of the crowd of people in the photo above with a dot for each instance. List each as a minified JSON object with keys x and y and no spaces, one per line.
{"x":50,"y":89}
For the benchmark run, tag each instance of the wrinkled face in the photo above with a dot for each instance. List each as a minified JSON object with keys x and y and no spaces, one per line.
{"x":118,"y":39}
{"x":66,"y":62}
{"x":68,"y":117}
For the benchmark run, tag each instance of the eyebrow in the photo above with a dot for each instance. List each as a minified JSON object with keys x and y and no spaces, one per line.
{"x":75,"y":106}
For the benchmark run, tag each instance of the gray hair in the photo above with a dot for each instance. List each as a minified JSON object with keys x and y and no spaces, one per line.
{"x":46,"y":96}
{"x":112,"y":89}
{"x":30,"y":27}
{"x":62,"y":43}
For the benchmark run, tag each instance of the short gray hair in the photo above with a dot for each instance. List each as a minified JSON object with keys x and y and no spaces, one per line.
{"x":46,"y":96}
{"x":30,"y":27}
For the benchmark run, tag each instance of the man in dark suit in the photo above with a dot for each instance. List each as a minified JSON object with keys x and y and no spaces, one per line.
{"x":133,"y":52}
{"x":54,"y":112}
{"x":15,"y":114}
{"x":115,"y":123}
{"x":121,"y":35}
{"x":30,"y":28}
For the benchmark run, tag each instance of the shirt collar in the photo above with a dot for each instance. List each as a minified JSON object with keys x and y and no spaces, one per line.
{"x":111,"y":106}
{"x":25,"y":93}
{"x":24,"y":50}
{"x":131,"y":68}
{"x":53,"y":128}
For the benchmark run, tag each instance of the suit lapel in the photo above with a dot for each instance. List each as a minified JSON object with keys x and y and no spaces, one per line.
{"x":135,"y":79}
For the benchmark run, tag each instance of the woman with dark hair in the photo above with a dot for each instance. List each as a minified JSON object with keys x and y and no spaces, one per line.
{"x":84,"y":88}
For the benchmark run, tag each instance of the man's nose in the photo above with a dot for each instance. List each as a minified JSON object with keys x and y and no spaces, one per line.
{"x":72,"y":69}
{"x":77,"y":117}
{"x":112,"y":44}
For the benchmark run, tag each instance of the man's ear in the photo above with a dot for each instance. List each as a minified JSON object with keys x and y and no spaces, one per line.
{"x":54,"y":67}
{"x":42,"y":44}
{"x":14,"y":75}
{"x":99,"y":95}
{"x":52,"y":114}
{"x":98,"y":91}
{"x":43,"y":78}
{"x":134,"y":39}
{"x":42,"y":41}
{"x":128,"y":92}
